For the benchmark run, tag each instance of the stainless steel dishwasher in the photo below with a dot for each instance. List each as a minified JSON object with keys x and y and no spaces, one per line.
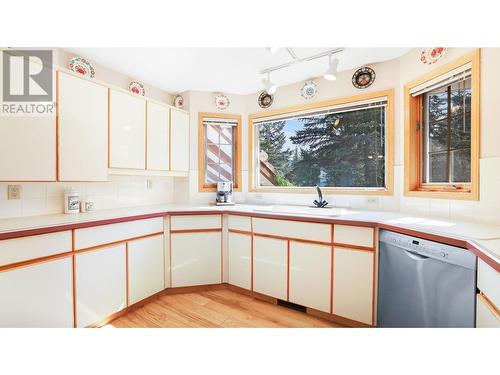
{"x":424,"y":283}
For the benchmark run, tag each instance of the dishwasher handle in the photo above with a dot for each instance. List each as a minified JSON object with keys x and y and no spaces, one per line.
{"x":415,"y":256}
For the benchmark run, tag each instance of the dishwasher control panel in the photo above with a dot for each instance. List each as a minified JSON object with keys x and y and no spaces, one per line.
{"x":431,"y":249}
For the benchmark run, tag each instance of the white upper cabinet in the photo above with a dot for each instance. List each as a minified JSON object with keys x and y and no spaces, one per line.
{"x":179,"y":143}
{"x":158,"y":137}
{"x":83,"y":129}
{"x":127,"y":131}
{"x":27,"y":144}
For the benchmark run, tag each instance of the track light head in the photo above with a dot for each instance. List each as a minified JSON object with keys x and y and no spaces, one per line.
{"x":268,"y":85}
{"x":331,"y":72}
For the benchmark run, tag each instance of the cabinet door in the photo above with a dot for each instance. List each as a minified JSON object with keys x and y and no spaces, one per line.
{"x":158,"y":137}
{"x":487,"y":315}
{"x":40,"y":295}
{"x":27,"y":144}
{"x":270,"y":266}
{"x":179,"y":141}
{"x":196,"y":258}
{"x":83,"y":129}
{"x":100,"y":284}
{"x":127,"y":131}
{"x":145,"y":267}
{"x":310,"y":275}
{"x":353,"y":284}
{"x":240,"y":254}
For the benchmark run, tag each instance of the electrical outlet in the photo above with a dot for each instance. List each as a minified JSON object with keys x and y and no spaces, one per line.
{"x":14,"y":192}
{"x":150,"y":183}
{"x":372,"y":200}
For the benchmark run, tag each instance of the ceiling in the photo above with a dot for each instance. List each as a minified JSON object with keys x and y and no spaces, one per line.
{"x":229,"y":70}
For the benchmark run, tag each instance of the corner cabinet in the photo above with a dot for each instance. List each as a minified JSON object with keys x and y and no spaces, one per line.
{"x":127,"y":131}
{"x":82,"y":129}
{"x":179,"y":141}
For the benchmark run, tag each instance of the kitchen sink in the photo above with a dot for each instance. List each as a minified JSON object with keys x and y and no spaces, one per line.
{"x":302,"y":210}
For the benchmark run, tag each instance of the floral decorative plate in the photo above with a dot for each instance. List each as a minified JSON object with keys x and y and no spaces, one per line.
{"x":265,"y":100}
{"x":363,"y":77}
{"x":178,"y":101}
{"x":430,"y":55}
{"x":221,"y":101}
{"x":137,"y":88}
{"x":309,"y":90}
{"x":82,"y":66}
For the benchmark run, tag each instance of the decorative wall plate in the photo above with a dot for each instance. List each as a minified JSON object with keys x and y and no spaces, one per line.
{"x":265,"y":100}
{"x":430,"y":55}
{"x":137,"y":88}
{"x":80,"y":65}
{"x":309,"y":90}
{"x":178,"y":101}
{"x":221,"y":101}
{"x":363,"y":77}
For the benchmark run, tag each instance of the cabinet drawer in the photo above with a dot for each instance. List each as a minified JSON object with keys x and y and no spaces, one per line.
{"x":26,"y":248}
{"x":194,"y":222}
{"x":103,"y":234}
{"x":293,"y":229}
{"x":486,"y":316}
{"x":488,"y":282}
{"x":243,"y":223}
{"x":352,"y":235}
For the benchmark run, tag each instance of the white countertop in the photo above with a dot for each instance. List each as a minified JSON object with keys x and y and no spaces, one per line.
{"x":487,"y":236}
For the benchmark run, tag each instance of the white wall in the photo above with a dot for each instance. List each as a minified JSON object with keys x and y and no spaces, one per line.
{"x":390,"y":74}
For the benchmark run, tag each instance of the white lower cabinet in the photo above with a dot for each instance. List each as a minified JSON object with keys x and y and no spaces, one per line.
{"x":310,"y":275}
{"x":100,"y":284}
{"x":196,"y":258}
{"x":270,"y":263}
{"x":40,"y":295}
{"x":145,"y":267}
{"x":487,"y":315}
{"x":353,"y":284}
{"x":240,"y":256}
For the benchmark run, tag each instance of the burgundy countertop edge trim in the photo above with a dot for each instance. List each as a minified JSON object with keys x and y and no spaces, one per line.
{"x":484,"y":254}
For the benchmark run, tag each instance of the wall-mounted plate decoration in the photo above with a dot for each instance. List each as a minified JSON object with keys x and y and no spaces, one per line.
{"x":363,"y":77}
{"x":80,"y":65}
{"x":430,"y":55}
{"x":221,"y":101}
{"x":309,"y":90}
{"x":178,"y":101}
{"x":265,"y":100}
{"x":137,"y":88}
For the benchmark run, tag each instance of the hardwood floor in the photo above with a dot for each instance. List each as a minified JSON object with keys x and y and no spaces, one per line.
{"x":216,"y":308}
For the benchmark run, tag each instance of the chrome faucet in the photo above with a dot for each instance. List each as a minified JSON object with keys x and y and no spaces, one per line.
{"x":320,"y":203}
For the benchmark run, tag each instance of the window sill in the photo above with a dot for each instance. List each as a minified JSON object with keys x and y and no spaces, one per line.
{"x":325,"y":190}
{"x":453,"y":194}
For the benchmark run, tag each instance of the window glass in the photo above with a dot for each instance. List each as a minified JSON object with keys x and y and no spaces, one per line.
{"x":447,"y":134}
{"x":344,"y":149}
{"x":219,"y":155}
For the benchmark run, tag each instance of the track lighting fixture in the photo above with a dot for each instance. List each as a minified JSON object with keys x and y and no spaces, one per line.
{"x":331,"y":73}
{"x":268,"y":85}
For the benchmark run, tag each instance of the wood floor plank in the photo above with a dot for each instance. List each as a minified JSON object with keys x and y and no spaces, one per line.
{"x":215,"y":308}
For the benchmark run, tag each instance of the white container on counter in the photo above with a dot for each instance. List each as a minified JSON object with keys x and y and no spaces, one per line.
{"x":87,"y":205}
{"x":71,"y":201}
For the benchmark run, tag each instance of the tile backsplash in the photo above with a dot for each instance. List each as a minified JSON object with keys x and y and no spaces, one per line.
{"x":120,"y":191}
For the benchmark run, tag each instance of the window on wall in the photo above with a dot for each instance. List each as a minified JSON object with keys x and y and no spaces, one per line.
{"x":219,"y":149}
{"x":339,"y":146}
{"x":442,"y":132}
{"x":446,"y":133}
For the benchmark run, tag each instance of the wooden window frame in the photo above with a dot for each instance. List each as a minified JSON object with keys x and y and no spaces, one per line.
{"x":351,"y":100}
{"x":413,"y":157}
{"x":202,"y":186}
